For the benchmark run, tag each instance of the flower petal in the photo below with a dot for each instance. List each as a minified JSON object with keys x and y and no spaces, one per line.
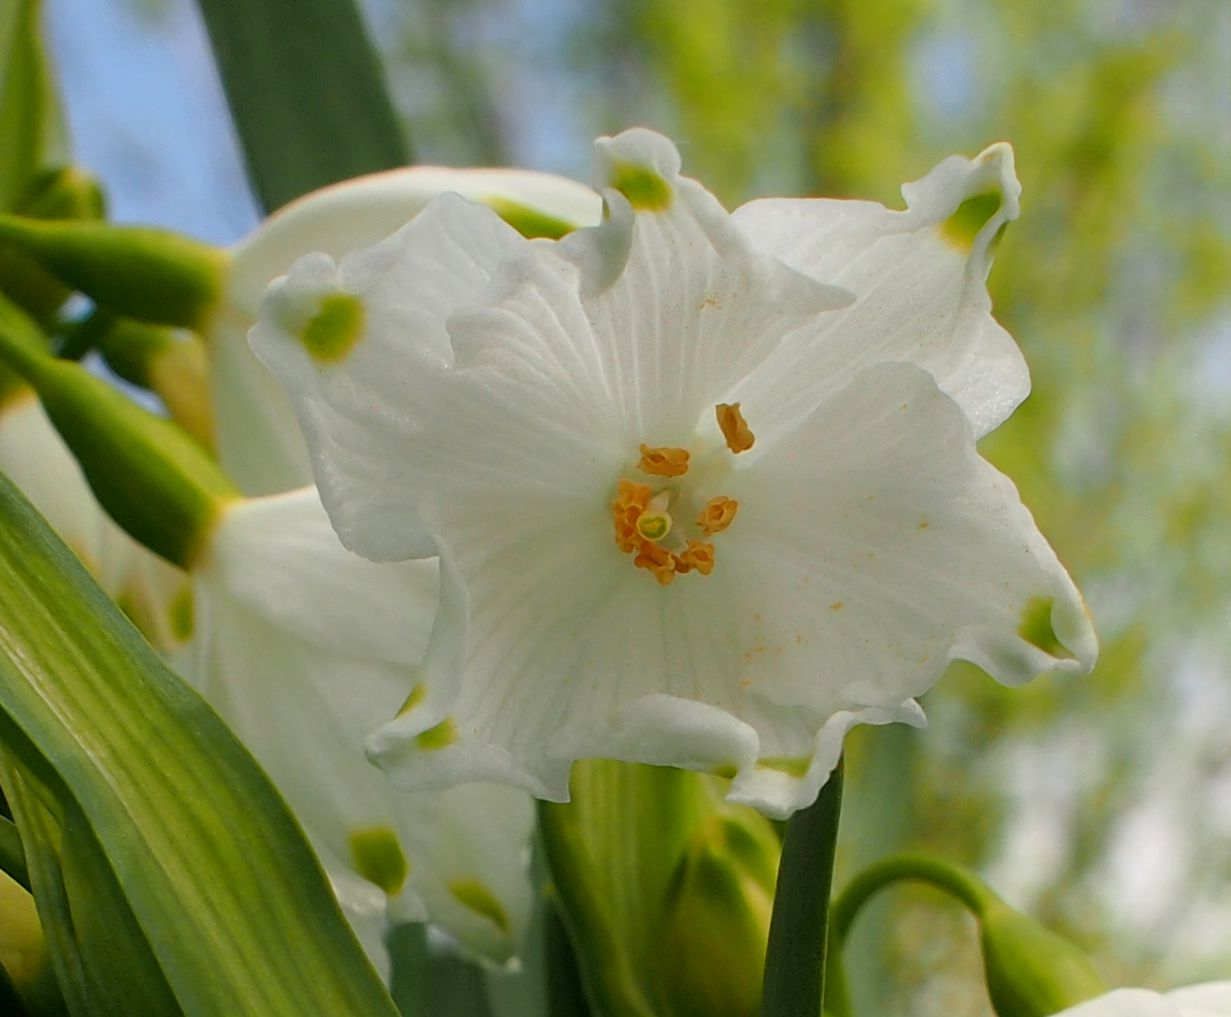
{"x":1125,"y":1003}
{"x":918,"y":276}
{"x":279,"y":557}
{"x":356,"y":405}
{"x":694,"y":306}
{"x":303,"y":648}
{"x":1210,"y":999}
{"x":873,"y":547}
{"x":357,"y":213}
{"x":259,"y":442}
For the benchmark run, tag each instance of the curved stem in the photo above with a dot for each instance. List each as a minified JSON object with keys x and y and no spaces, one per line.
{"x":954,"y":880}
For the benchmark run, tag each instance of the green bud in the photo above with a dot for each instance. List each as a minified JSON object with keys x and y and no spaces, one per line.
{"x":170,"y":363}
{"x":665,"y":890}
{"x":712,"y":956}
{"x":66,"y":193}
{"x":145,"y":273}
{"x":153,"y":480}
{"x":1032,"y":971}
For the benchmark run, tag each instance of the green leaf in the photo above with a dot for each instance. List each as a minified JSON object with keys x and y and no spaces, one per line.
{"x":12,"y":854}
{"x":306,"y":91}
{"x":29,"y":117}
{"x":104,"y":964}
{"x":123,"y":780}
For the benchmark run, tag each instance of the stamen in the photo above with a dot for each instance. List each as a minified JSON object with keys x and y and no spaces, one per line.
{"x":717,"y":515}
{"x":631,"y":501}
{"x":697,"y":555}
{"x":663,"y":462}
{"x":734,"y":428}
{"x":658,"y":560}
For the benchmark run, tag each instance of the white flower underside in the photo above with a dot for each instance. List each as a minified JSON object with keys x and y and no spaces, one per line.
{"x":303,"y":648}
{"x":497,"y":391}
{"x":1212,"y":999}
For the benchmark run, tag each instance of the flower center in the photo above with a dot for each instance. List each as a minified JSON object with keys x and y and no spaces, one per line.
{"x":644,"y":526}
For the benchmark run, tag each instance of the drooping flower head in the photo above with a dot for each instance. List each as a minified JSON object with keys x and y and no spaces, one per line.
{"x":703,"y":486}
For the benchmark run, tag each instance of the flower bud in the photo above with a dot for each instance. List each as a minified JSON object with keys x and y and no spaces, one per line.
{"x":666,"y":890}
{"x":65,"y":193}
{"x":170,"y":363}
{"x":150,"y":274}
{"x":713,"y":949}
{"x":152,"y":479}
{"x":1030,"y":970}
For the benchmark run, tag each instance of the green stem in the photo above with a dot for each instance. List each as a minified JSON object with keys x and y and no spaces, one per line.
{"x":75,"y":339}
{"x":952,"y":879}
{"x":12,"y":855}
{"x":795,"y":959}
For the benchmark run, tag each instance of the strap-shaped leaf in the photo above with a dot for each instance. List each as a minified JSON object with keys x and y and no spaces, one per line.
{"x":139,"y":778}
{"x":103,"y":962}
{"x":306,"y":92}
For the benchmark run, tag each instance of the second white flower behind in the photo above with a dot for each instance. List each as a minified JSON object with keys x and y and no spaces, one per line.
{"x":693,"y":505}
{"x":303,"y":648}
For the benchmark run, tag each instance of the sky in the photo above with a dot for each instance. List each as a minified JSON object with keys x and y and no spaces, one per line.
{"x":146,"y":114}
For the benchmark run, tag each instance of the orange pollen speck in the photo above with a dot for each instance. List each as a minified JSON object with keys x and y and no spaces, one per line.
{"x":663,"y":462}
{"x":717,"y":515}
{"x":697,"y":555}
{"x":734,"y":427}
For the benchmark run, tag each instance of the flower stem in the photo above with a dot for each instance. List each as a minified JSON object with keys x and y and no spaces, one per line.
{"x":795,"y":960}
{"x":952,"y":879}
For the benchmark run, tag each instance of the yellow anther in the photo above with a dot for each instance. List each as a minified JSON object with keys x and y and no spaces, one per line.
{"x":654,"y":525}
{"x":717,"y":515}
{"x":663,"y":462}
{"x":697,"y":555}
{"x":630,"y":502}
{"x":658,"y":560}
{"x":734,"y":427}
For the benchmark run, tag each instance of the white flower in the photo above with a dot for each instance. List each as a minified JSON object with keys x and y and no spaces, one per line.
{"x":1212,"y":999}
{"x":303,"y":647}
{"x":692,"y":505}
{"x":259,"y":444}
{"x":154,"y":594}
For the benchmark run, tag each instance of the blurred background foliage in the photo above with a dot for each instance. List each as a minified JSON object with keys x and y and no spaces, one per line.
{"x":1101,"y":804}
